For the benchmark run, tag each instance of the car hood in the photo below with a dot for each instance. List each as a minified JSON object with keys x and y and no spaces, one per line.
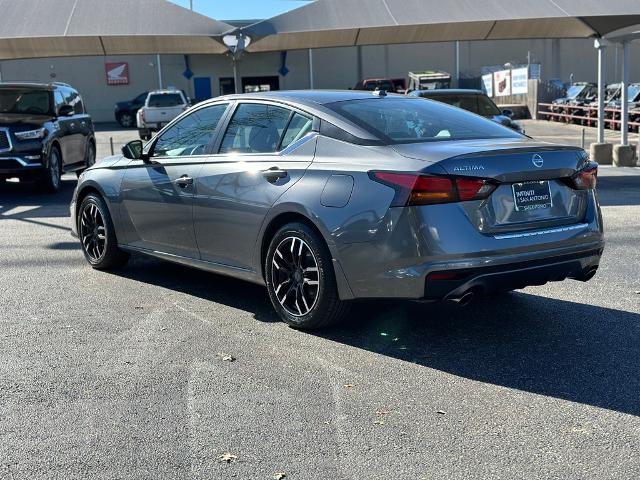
{"x":436,"y":151}
{"x":15,"y":119}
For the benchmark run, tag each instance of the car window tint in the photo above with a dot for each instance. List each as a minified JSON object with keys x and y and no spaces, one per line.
{"x":411,"y":120}
{"x":486,"y":107}
{"x":190,"y":135}
{"x":59,"y":99}
{"x":298,"y":128}
{"x":25,"y":101}
{"x":255,"y":128}
{"x":166,"y":100}
{"x":140,"y":98}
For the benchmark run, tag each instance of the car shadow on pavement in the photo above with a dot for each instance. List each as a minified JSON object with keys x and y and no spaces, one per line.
{"x":574,"y":351}
{"x":23,"y":202}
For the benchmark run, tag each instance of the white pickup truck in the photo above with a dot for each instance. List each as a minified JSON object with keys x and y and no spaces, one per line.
{"x":160,"y":108}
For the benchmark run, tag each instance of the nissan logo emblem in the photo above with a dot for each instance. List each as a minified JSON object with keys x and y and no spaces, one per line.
{"x":537,"y":160}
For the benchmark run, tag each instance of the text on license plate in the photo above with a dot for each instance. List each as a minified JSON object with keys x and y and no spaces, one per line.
{"x":531,"y":195}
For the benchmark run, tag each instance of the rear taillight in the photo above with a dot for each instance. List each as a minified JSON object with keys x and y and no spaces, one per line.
{"x":585,"y":179}
{"x":413,"y":189}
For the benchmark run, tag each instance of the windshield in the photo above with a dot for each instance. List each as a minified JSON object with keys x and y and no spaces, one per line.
{"x":574,"y":91}
{"x":165,"y":100}
{"x":32,"y":102}
{"x":412,"y":120}
{"x":634,"y":93}
{"x":379,"y":84}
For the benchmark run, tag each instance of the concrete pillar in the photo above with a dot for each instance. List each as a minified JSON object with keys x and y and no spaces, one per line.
{"x":600,"y":45}
{"x":624,"y":114}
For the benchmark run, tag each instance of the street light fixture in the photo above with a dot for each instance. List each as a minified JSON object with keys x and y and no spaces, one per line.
{"x":236,"y":43}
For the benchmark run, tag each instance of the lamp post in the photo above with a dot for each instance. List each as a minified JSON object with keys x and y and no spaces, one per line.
{"x":236,"y":43}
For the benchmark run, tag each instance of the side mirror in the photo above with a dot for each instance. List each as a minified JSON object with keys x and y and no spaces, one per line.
{"x":507,"y":113}
{"x":133,"y":150}
{"x":65,"y":111}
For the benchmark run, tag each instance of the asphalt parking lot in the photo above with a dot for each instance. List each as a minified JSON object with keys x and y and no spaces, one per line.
{"x":129,"y":374}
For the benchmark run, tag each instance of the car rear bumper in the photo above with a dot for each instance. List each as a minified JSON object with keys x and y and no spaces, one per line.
{"x":511,"y":276}
{"x":413,"y":243}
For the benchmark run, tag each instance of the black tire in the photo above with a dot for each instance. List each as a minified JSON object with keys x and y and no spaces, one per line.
{"x":327,"y":308}
{"x":102,"y":254}
{"x":90,"y":158}
{"x":126,"y":119}
{"x":51,"y":179}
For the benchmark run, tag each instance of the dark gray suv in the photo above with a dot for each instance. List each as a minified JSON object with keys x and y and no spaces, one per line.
{"x":44,"y":132}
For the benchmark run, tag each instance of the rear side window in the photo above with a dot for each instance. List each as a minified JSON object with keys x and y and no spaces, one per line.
{"x":191,"y":134}
{"x":298,"y":127}
{"x":165,"y":100}
{"x":412,"y":120}
{"x":255,"y":128}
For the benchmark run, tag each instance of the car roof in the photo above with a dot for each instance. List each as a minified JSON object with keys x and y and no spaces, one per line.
{"x":452,"y":91}
{"x":163,"y":91}
{"x":307,"y":97}
{"x":34,"y":85}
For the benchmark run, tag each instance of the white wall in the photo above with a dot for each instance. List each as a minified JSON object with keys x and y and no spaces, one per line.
{"x":333,"y":68}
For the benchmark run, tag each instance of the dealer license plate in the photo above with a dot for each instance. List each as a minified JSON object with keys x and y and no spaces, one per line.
{"x":532,"y":195}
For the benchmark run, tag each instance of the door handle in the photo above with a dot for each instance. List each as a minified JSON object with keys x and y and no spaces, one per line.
{"x":273,"y":174}
{"x":184,"y":181}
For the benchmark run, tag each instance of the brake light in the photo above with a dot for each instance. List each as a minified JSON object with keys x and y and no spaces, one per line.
{"x":413,"y":189}
{"x":585,"y":179}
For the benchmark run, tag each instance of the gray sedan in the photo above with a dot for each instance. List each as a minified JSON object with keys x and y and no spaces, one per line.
{"x":330,"y":196}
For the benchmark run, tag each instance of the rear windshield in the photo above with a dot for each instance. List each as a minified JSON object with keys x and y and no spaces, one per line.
{"x":412,"y":120}
{"x":33,"y":102}
{"x":165,"y":100}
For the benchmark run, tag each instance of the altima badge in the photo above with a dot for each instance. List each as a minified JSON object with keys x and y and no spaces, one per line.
{"x":537,"y":160}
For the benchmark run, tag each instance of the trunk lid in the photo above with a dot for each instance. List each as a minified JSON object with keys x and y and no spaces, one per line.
{"x":519,"y":169}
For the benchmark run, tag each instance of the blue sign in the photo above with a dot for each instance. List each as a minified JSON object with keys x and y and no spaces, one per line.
{"x":187,"y":74}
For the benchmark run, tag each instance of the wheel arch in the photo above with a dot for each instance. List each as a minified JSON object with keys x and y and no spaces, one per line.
{"x":285,"y":217}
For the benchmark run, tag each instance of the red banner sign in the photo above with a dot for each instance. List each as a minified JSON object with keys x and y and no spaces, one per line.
{"x":117,"y":73}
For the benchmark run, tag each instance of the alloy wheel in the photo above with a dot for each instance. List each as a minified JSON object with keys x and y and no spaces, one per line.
{"x":92,"y":232}
{"x":126,"y":120}
{"x":54,"y":169}
{"x":296,"y":279}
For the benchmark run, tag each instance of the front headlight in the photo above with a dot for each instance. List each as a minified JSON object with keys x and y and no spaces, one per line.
{"x":31,"y":134}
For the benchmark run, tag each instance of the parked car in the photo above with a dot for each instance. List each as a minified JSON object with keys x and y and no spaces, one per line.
{"x":474,"y":101}
{"x":330,"y":196}
{"x":44,"y":132}
{"x":125,"y":112}
{"x":160,"y":107}
{"x":372,"y":84}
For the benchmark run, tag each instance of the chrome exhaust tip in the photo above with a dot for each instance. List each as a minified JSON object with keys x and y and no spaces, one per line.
{"x":588,"y":274}
{"x":464,"y":300}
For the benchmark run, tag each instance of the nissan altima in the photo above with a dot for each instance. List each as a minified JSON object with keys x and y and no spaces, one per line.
{"x":329,"y":196}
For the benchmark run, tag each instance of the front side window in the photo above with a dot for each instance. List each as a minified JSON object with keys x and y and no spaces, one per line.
{"x":255,"y":128}
{"x":412,"y":120}
{"x":34,"y":102}
{"x":190,"y":135}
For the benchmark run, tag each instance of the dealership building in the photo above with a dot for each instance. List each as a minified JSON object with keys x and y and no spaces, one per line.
{"x":104,"y":80}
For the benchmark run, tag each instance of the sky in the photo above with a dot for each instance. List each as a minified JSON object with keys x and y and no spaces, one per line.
{"x":243,"y":9}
